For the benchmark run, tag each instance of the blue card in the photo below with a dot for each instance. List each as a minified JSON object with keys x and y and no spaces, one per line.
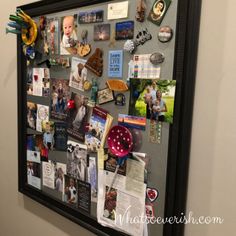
{"x":115,"y":63}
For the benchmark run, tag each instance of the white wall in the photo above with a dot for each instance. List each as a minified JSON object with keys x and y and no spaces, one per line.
{"x":212,"y":166}
{"x":212,"y":175}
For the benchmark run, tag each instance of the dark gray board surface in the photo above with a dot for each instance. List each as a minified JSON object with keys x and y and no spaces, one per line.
{"x":157,"y":152}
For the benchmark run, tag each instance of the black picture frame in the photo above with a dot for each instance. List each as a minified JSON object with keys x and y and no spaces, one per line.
{"x":187,"y":31}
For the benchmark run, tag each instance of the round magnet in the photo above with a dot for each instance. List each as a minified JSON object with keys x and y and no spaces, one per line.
{"x":120,"y":99}
{"x":157,"y":58}
{"x":87,"y":85}
{"x":165,"y":34}
{"x":119,"y":141}
{"x":71,"y":104}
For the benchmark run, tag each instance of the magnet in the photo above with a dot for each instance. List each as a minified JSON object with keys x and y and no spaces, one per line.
{"x":140,"y":11}
{"x":120,"y":99}
{"x":71,"y":104}
{"x":87,"y":85}
{"x":130,"y":46}
{"x":119,"y":141}
{"x":142,"y":37}
{"x":117,"y":85}
{"x":157,"y":58}
{"x":95,"y":62}
{"x":152,"y":194}
{"x":149,"y":210}
{"x":165,"y":34}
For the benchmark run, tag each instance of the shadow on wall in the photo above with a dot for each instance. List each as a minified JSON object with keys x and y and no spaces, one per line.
{"x":58,"y":221}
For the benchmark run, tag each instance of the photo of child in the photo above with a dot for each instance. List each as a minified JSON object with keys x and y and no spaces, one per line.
{"x":48,"y":134}
{"x":31,"y":115}
{"x":70,"y":191}
{"x":69,"y":38}
{"x":59,"y":98}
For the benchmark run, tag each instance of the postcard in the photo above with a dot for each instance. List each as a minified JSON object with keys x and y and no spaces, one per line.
{"x":134,"y":122}
{"x":60,"y":136}
{"x":33,"y":169}
{"x":78,"y":73}
{"x":31,"y":115}
{"x":76,"y":160}
{"x":59,"y":98}
{"x":70,"y":191}
{"x":117,"y":10}
{"x":77,"y":117}
{"x":125,"y":30}
{"x":93,"y":16}
{"x":141,"y":67}
{"x":92,"y":178}
{"x":101,"y":32}
{"x":115,"y":63}
{"x":60,"y":171}
{"x":153,"y":99}
{"x":42,"y":115}
{"x":37,"y":80}
{"x":99,"y":124}
{"x":69,"y":39}
{"x":48,"y":172}
{"x":84,"y":196}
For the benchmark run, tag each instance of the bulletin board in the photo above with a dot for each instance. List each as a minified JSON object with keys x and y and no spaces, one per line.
{"x":66,"y":113}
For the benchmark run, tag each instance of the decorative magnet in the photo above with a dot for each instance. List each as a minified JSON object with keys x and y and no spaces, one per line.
{"x":152,"y":194}
{"x":84,"y":48}
{"x":71,"y":104}
{"x":117,"y":85}
{"x":119,"y":141}
{"x":95,"y":62}
{"x":165,"y":34}
{"x":130,"y":46}
{"x":120,"y":99}
{"x":157,"y":58}
{"x":140,"y":11}
{"x":142,"y":37}
{"x":149,"y":210}
{"x":158,"y":11}
{"x":87,"y":85}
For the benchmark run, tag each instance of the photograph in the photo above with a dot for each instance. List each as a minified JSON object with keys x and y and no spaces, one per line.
{"x":105,"y":95}
{"x":31,"y":115}
{"x":48,"y":134}
{"x":110,"y":203}
{"x":101,"y":32}
{"x":125,"y":30}
{"x":77,"y":117}
{"x":53,"y":35}
{"x":33,"y":169}
{"x":70,"y":190}
{"x":77,"y":160}
{"x":92,"y":177}
{"x":35,"y":143}
{"x":78,"y":73}
{"x":69,"y":39}
{"x":153,"y":99}
{"x":87,"y":17}
{"x":42,"y":115}
{"x":60,"y":171}
{"x":59,"y":98}
{"x":46,"y":87}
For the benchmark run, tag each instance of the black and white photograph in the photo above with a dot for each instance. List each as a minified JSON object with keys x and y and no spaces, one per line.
{"x":105,"y":95}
